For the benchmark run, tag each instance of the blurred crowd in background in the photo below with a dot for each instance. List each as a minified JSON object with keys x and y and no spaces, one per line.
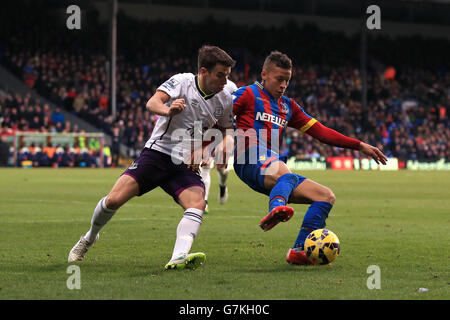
{"x":408,"y":98}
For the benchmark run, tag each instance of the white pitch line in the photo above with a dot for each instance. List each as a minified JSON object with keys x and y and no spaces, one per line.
{"x":125,"y":205}
{"x":125,"y":219}
{"x":212,"y":216}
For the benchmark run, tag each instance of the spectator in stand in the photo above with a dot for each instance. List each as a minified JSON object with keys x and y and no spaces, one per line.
{"x":58,"y":117}
{"x":78,"y":103}
{"x":58,"y":127}
{"x":35,"y":124}
{"x":70,"y":98}
{"x":401,"y":105}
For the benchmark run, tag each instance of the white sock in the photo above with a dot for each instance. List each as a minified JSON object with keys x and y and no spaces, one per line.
{"x":223,"y":176}
{"x":100,"y":217}
{"x":187,"y":231}
{"x":205,"y":173}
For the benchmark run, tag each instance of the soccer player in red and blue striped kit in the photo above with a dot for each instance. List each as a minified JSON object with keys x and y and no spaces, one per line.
{"x":262,"y":114}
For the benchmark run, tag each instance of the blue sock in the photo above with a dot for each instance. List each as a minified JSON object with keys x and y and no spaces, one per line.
{"x":314,"y":219}
{"x":279,"y":196}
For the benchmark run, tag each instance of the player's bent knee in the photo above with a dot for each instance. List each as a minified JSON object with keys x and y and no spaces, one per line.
{"x":197,"y":204}
{"x":200,"y":205}
{"x":331,"y":198}
{"x":112,"y":202}
{"x":124,"y":189}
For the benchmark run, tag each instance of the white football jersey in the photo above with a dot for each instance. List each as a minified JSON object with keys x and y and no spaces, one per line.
{"x":174,"y":135}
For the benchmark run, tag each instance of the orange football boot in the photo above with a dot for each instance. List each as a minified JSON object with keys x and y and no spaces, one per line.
{"x":277,"y":215}
{"x":295,"y":256}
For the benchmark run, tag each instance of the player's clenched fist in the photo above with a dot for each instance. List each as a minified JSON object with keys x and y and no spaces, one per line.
{"x":176,"y":107}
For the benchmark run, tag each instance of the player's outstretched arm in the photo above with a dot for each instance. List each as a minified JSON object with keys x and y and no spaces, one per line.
{"x":156,"y":105}
{"x":334,"y":138}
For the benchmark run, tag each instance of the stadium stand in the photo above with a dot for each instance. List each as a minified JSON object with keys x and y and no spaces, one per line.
{"x":408,"y":90}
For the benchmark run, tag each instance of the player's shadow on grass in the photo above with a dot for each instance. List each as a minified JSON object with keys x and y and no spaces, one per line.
{"x":290,"y":268}
{"x":134,"y":270}
{"x":27,"y":268}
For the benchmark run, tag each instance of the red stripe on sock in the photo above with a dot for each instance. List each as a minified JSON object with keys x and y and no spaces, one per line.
{"x":278,"y":197}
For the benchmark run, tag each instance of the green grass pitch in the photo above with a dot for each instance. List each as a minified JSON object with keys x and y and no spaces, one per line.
{"x":398,"y":221}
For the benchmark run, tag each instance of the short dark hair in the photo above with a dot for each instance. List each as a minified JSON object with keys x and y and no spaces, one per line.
{"x":209,"y":56}
{"x":278,"y":59}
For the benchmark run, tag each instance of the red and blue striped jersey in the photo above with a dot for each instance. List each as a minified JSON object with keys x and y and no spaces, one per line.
{"x":254,"y":108}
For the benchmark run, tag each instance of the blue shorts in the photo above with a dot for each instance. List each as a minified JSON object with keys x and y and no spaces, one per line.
{"x":253,"y":172}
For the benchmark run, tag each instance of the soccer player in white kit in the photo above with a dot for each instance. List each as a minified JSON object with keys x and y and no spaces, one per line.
{"x":181,"y":102}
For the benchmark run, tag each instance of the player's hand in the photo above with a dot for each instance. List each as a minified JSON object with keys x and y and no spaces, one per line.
{"x":222,"y":166}
{"x":196,"y":166}
{"x":373,"y":152}
{"x":176,"y":107}
{"x":197,"y":160}
{"x":223,"y":152}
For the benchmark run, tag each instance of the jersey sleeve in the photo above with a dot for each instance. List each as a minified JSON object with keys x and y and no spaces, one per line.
{"x":332,"y":137}
{"x":173,"y":86}
{"x":300,"y":119}
{"x":241,"y":97}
